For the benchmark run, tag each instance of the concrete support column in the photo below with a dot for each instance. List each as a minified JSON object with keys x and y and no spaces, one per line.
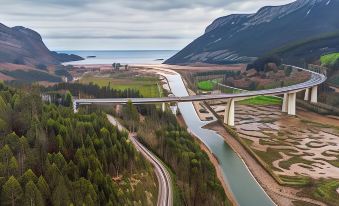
{"x":75,"y":107}
{"x":285,"y":103}
{"x":289,"y":103}
{"x":229,"y":113}
{"x":307,"y":94}
{"x":163,"y":107}
{"x":292,"y":97}
{"x":314,"y":94}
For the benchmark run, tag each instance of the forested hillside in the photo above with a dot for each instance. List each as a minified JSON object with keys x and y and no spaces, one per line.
{"x":196,"y":176}
{"x":51,"y":156}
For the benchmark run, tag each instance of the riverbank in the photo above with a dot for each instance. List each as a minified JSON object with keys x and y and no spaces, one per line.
{"x":243,"y":185}
{"x":281,"y":195}
{"x":214,"y":161}
{"x":163,"y":72}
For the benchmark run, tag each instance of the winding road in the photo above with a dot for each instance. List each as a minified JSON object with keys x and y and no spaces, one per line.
{"x":165,"y":194}
{"x":248,"y":185}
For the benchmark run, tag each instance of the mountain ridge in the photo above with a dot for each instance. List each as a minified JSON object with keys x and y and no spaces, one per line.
{"x":22,"y":45}
{"x":241,"y":38}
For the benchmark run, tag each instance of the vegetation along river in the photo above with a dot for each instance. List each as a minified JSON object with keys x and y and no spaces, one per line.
{"x":243,"y":185}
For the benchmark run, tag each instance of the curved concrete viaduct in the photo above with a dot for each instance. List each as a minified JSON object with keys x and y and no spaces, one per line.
{"x":289,"y":100}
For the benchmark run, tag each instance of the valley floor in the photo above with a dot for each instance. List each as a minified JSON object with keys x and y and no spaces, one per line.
{"x":300,"y":154}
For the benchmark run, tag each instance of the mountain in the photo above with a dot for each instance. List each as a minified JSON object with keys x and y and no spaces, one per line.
{"x":240,"y":38}
{"x":21,"y":45}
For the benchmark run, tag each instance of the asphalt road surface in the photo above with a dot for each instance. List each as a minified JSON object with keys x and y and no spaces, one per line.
{"x":165,"y":194}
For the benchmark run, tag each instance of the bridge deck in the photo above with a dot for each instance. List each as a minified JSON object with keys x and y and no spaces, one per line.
{"x":315,"y":80}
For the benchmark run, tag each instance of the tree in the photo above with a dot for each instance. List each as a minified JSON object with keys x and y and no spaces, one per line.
{"x":33,"y":196}
{"x":12,"y":140}
{"x":60,"y":195}
{"x":53,"y":175}
{"x":253,"y":85}
{"x":131,"y":115}
{"x":22,"y":154}
{"x":43,"y":187}
{"x":260,"y":63}
{"x":28,"y":176}
{"x":81,"y":189}
{"x":13,"y":166}
{"x":68,"y":99}
{"x":11,"y":192}
{"x":6,"y":154}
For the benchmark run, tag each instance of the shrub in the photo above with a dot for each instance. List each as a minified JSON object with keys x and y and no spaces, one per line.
{"x":41,"y":66}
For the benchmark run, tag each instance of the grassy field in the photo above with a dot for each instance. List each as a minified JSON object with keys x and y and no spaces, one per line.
{"x":329,"y":59}
{"x":262,"y":100}
{"x":148,"y":87}
{"x":207,"y":85}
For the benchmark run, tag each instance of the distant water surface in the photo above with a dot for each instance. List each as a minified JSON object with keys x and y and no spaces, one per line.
{"x":123,"y":57}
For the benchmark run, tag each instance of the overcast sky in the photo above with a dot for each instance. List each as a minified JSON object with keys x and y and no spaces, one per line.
{"x":121,"y":24}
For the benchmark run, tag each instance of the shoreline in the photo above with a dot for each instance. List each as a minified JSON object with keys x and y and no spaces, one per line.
{"x":281,"y":195}
{"x":203,"y":147}
{"x":214,"y":161}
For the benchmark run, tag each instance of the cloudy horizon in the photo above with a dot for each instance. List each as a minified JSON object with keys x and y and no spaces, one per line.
{"x":121,"y":24}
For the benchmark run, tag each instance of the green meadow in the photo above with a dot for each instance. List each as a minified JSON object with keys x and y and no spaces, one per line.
{"x":148,"y":87}
{"x":329,"y":59}
{"x":262,"y":100}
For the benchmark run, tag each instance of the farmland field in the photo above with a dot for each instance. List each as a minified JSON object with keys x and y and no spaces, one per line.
{"x":148,"y":87}
{"x":329,"y":59}
{"x":206,"y":85}
{"x":262,"y":100}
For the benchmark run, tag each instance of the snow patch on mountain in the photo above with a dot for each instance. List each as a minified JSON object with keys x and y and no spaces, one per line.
{"x":308,"y":12}
{"x":264,"y":15}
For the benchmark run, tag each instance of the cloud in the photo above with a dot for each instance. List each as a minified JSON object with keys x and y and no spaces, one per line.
{"x":115,"y":21}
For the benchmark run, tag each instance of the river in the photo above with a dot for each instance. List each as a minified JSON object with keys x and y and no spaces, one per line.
{"x":242,"y":184}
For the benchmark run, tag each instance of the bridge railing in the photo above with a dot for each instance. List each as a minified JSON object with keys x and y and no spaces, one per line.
{"x":317,"y":68}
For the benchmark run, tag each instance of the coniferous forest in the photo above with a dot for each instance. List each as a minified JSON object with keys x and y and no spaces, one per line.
{"x":196,"y":177}
{"x":51,"y":156}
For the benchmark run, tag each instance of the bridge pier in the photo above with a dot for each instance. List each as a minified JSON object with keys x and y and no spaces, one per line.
{"x":75,"y":107}
{"x":307,"y":94}
{"x":289,"y":103}
{"x":229,"y":113}
{"x":292,"y":97}
{"x":314,"y":94}
{"x":163,"y":107}
{"x":285,"y":105}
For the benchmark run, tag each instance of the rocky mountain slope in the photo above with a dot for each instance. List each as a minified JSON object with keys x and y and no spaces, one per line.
{"x":241,"y":38}
{"x":21,"y":45}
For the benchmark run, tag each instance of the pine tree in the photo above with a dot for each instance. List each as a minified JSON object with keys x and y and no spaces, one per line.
{"x":28,"y":176}
{"x":81,"y":189}
{"x":6,"y":155}
{"x":13,"y":166}
{"x":33,"y":196}
{"x":43,"y":187}
{"x":68,"y":99}
{"x":60,"y":195}
{"x":23,"y":153}
{"x":11,"y":192}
